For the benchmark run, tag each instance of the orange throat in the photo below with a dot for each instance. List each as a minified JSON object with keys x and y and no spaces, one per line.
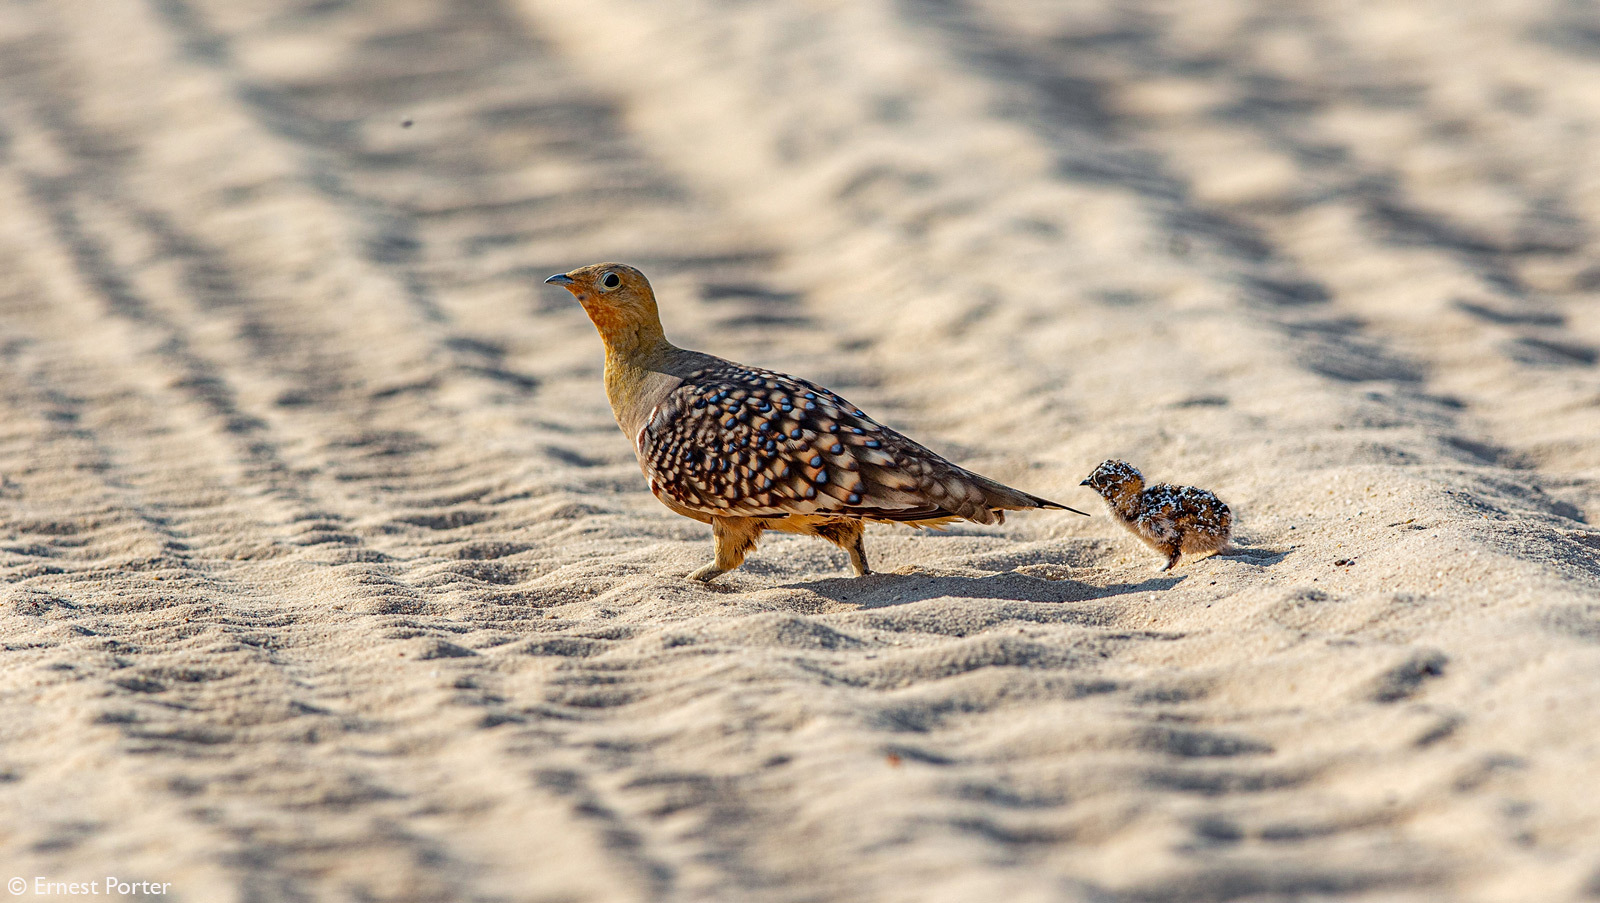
{"x":622,"y":334}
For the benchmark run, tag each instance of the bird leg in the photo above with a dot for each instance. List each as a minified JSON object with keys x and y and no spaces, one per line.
{"x":1174,"y":552}
{"x":858,"y":556}
{"x":847,"y":535}
{"x":735,"y":537}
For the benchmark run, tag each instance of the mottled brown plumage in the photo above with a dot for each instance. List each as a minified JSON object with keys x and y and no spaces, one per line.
{"x":748,"y":450}
{"x":1170,"y":519}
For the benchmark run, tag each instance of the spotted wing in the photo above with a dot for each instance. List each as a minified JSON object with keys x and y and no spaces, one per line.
{"x":743,"y":442}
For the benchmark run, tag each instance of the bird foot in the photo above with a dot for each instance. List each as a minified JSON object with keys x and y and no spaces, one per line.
{"x":707,"y":573}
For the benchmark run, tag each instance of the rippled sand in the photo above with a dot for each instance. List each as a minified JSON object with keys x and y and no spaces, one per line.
{"x":327,"y":575}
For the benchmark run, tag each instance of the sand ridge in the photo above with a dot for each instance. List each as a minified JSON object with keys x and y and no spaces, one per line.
{"x":328,"y":576}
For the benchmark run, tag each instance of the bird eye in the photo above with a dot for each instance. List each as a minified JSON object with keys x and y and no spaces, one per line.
{"x":610,"y":280}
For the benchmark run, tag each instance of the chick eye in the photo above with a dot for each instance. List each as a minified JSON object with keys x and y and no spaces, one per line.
{"x":610,"y":280}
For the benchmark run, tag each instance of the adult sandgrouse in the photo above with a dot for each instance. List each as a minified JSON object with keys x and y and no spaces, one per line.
{"x":748,"y":450}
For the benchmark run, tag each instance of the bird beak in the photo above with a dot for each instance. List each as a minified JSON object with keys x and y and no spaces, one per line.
{"x":561,"y":279}
{"x":1084,"y":483}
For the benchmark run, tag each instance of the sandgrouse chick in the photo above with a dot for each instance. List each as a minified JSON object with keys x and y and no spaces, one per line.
{"x":749,"y":450}
{"x":1170,"y":519}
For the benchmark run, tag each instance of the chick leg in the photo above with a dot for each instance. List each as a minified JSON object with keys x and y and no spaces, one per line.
{"x":1173,"y":552}
{"x":735,"y":537}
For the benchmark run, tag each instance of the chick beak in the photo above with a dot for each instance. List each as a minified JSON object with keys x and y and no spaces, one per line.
{"x":1084,"y":483}
{"x":561,"y":279}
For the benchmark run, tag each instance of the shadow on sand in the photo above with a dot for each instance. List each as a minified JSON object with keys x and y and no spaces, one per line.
{"x":882,"y":590}
{"x":1259,"y":557}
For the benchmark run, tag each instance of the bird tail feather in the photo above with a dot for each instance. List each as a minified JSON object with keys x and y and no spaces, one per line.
{"x":999,"y":495}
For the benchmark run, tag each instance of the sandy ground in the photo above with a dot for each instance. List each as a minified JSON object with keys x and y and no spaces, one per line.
{"x":327,"y":576}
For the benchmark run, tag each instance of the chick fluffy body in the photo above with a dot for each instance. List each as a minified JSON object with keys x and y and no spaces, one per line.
{"x":1173,"y":520}
{"x":747,"y":450}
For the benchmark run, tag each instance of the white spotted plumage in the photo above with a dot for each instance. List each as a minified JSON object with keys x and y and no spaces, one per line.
{"x":1171,"y":519}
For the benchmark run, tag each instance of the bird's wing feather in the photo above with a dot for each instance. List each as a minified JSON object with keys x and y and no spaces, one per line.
{"x":736,"y":441}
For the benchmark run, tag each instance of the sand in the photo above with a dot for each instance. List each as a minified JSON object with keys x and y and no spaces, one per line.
{"x":327,"y":576}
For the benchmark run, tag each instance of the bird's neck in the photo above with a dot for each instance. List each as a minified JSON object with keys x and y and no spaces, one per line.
{"x":630,"y":365}
{"x":1125,"y":498}
{"x":626,"y":334}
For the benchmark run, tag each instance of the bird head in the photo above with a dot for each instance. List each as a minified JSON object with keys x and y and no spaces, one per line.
{"x":618,"y":299}
{"x":1113,"y":477}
